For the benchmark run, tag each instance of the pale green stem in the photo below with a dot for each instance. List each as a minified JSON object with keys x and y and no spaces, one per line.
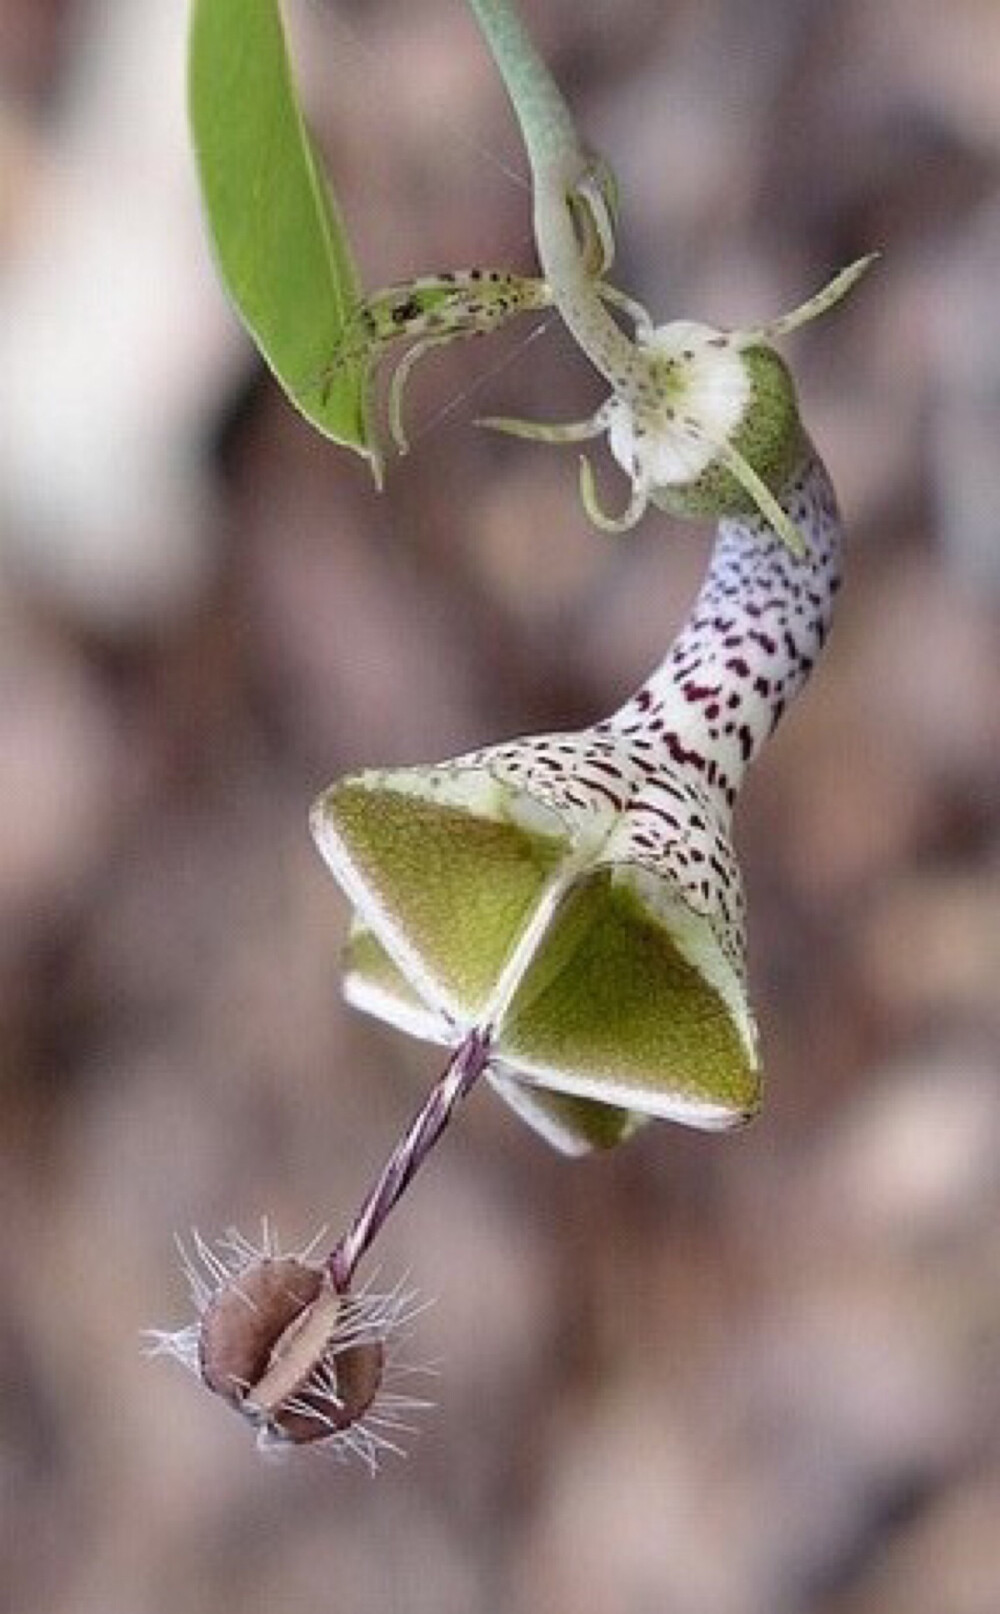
{"x":562,"y":173}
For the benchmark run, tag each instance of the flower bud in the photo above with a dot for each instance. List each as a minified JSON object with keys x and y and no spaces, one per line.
{"x":277,"y":1343}
{"x":304,"y":1363}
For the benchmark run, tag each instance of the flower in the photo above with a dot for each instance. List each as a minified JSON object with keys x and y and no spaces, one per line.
{"x":704,"y":422}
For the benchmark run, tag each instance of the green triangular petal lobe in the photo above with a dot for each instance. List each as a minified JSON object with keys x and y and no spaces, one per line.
{"x":448,"y":890}
{"x":573,"y":1125}
{"x":610,"y":1008}
{"x":373,"y":983}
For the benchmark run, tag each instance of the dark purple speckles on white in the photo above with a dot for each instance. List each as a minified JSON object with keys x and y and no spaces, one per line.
{"x":655,"y":783}
{"x":750,"y":642}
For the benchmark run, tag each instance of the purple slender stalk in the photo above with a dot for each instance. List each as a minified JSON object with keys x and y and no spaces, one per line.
{"x":464,"y":1069}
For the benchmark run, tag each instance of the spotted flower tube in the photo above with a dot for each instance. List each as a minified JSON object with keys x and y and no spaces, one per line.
{"x":573,"y":900}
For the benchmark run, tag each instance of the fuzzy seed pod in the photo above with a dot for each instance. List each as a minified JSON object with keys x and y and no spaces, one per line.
{"x":303,"y":1363}
{"x":272,"y":1343}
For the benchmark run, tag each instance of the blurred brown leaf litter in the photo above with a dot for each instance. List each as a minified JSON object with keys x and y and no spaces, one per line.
{"x":746,"y":1375}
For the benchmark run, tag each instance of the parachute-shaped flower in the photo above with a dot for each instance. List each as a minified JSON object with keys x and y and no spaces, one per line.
{"x":576,"y":895}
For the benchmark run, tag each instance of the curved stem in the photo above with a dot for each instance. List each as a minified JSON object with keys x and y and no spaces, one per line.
{"x":562,"y":175}
{"x":545,"y":119}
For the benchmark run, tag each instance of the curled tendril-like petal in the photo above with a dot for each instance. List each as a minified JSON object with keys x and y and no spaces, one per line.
{"x":540,"y":431}
{"x":401,"y":375}
{"x":820,"y":303}
{"x":630,"y":516}
{"x":763,"y":498}
{"x":639,"y":316}
{"x":593,"y":204}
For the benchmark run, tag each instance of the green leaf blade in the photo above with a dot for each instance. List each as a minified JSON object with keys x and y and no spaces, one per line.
{"x":275,"y":227}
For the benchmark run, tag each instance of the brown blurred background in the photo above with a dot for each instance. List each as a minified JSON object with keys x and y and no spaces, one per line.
{"x":747,"y":1375}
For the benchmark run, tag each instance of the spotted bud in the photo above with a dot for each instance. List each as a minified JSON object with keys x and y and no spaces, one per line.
{"x":714,"y":401}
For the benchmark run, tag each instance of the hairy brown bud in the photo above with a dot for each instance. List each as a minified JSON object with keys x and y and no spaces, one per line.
{"x":303,"y":1362}
{"x":281,"y":1346}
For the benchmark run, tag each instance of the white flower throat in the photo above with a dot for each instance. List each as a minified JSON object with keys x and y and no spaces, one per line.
{"x":701,"y":389}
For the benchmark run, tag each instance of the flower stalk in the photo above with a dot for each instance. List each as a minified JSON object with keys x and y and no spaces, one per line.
{"x":467,"y":1064}
{"x":573,"y":195}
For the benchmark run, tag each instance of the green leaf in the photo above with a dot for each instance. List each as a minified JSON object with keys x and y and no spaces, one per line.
{"x":274,"y":223}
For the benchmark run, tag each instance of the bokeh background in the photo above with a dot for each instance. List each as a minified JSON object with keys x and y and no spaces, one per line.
{"x":756,"y":1374}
